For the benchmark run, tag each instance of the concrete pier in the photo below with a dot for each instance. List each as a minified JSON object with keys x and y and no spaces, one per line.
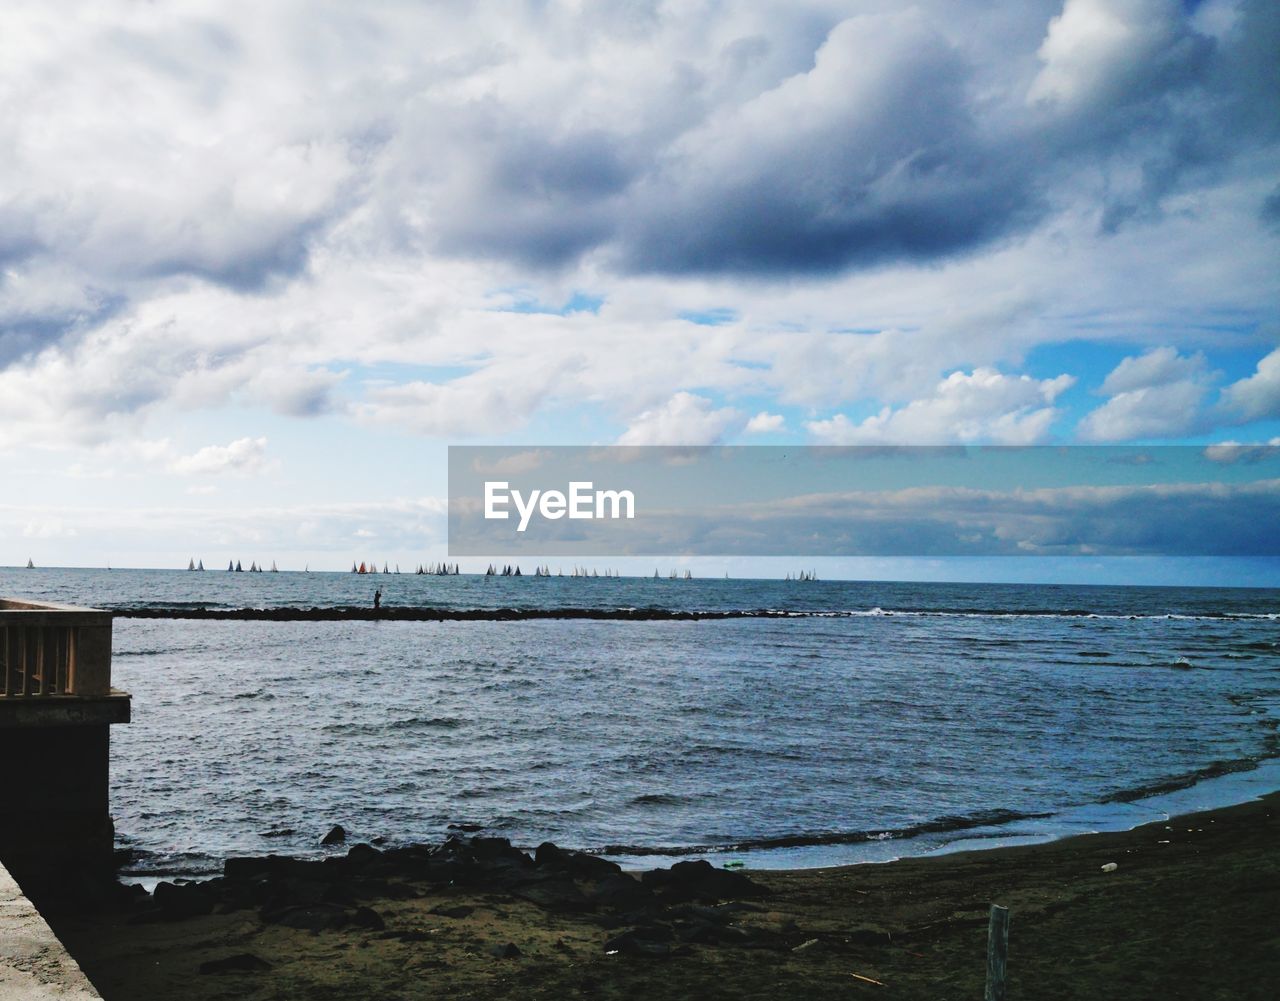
{"x":33,"y":964}
{"x":56,"y":709}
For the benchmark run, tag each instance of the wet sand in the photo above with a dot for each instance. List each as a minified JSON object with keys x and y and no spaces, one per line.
{"x":1192,"y":910}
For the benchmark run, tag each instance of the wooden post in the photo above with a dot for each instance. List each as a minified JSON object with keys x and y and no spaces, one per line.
{"x":997,"y":952}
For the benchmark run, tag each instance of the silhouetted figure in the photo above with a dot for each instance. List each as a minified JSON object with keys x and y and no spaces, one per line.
{"x":377,"y":599}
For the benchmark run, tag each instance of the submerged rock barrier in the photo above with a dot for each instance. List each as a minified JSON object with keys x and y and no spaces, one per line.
{"x":346,"y":613}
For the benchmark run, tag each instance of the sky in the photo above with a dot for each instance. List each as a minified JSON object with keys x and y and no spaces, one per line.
{"x":261,"y":264}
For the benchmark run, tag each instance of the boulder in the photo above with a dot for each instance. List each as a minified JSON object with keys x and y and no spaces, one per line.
{"x":241,"y":962}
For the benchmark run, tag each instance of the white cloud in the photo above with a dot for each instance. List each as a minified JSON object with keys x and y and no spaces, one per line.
{"x":1156,"y":395}
{"x":316,"y":208}
{"x":244,"y":455}
{"x":1103,"y":50}
{"x":1258,"y":396}
{"x":1233,"y":451}
{"x":685,"y":419}
{"x":513,"y":464}
{"x":49,"y":528}
{"x":982,"y":406}
{"x":765,"y":422}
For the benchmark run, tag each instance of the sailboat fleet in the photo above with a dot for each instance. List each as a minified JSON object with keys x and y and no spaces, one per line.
{"x":443,"y":569}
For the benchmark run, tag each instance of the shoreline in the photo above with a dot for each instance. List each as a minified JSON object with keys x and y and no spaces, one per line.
{"x":1189,"y":911}
{"x":1219,"y":790}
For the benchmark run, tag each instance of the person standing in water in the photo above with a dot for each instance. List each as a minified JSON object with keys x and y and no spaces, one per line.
{"x":377,"y":599}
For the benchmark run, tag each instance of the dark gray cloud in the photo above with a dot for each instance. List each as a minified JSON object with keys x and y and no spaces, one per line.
{"x":1271,"y":209}
{"x":887,"y":146}
{"x":1192,"y":519}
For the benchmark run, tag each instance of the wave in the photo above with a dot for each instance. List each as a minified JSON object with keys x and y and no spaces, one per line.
{"x":411,"y":723}
{"x":942,"y":825}
{"x":1159,"y":787}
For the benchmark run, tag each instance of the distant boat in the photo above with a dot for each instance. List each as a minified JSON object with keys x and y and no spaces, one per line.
{"x":30,"y":565}
{"x":230,"y":566}
{"x":201,"y":566}
{"x":273,"y":567}
{"x":191,"y":563}
{"x":239,"y":568}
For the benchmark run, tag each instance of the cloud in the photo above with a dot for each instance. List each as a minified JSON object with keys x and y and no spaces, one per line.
{"x":870,"y":155}
{"x":49,"y":528}
{"x":765,"y":422}
{"x":244,"y":455}
{"x":982,"y":406}
{"x":685,"y":419}
{"x":317,"y":214}
{"x":393,"y":529}
{"x":1161,"y":519}
{"x":1229,"y":452}
{"x":1256,"y":397}
{"x":513,"y":464}
{"x":1156,"y":395}
{"x":1103,"y":52}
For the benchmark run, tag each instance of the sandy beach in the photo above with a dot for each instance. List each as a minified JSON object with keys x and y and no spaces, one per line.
{"x":1189,"y":911}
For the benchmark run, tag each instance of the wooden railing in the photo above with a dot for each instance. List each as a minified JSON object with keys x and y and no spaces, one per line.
{"x":50,"y":650}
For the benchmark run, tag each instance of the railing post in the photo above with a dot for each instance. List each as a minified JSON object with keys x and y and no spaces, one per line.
{"x":997,"y":952}
{"x":92,"y":675}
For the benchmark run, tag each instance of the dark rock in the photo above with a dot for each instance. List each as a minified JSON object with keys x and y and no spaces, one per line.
{"x":453,"y":910}
{"x":557,"y":895}
{"x":309,"y":917}
{"x":700,"y":880}
{"x":241,"y":962}
{"x":251,"y":866}
{"x":591,"y":867}
{"x":183,"y":900}
{"x":579,"y":865}
{"x":648,"y":943}
{"x":508,"y":950}
{"x":619,"y":891}
{"x":407,"y":935}
{"x":336,"y":836}
{"x":362,"y":856}
{"x":367,"y":917}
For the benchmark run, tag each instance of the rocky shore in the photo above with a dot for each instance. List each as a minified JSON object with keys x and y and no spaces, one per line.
{"x":1185,"y":908}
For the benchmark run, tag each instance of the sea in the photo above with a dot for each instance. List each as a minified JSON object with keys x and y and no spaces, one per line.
{"x":873,"y":720}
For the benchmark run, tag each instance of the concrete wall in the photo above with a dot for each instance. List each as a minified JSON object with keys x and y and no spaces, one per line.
{"x":55,"y":823}
{"x":33,"y":964}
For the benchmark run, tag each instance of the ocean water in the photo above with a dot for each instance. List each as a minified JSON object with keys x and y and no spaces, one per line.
{"x":880,"y":719}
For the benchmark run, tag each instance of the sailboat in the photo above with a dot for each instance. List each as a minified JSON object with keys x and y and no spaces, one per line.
{"x":30,"y":565}
{"x":191,"y":563}
{"x":239,"y":568}
{"x":201,"y":566}
{"x":273,"y":567}
{"x":230,"y":566}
